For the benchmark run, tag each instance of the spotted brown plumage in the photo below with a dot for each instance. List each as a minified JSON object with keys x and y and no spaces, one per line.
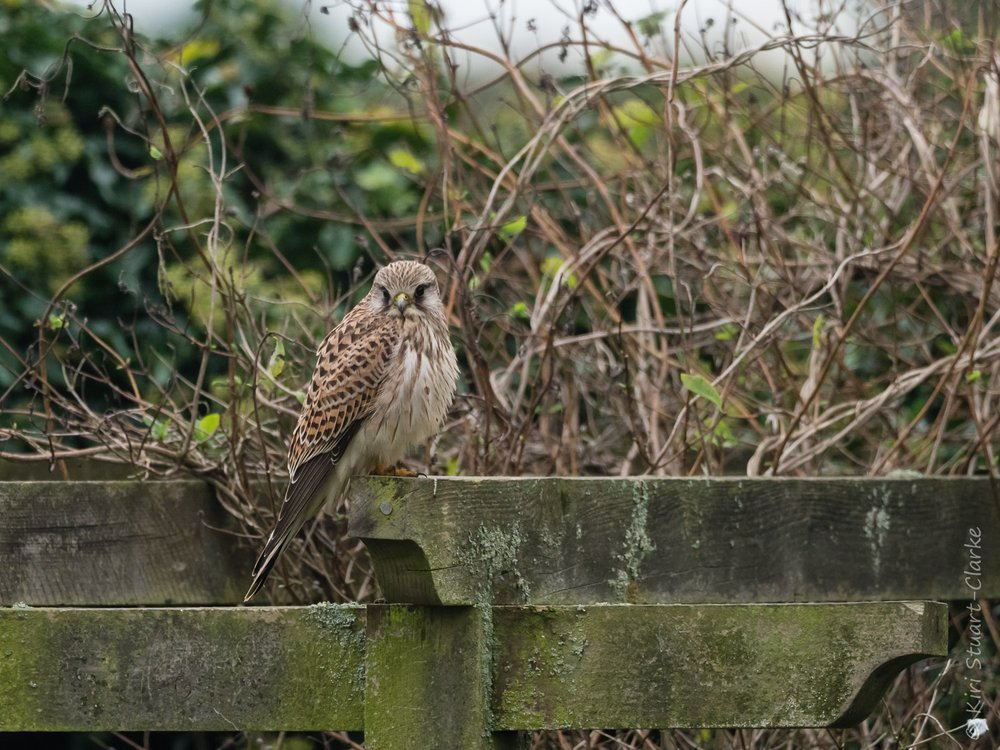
{"x":384,"y":379}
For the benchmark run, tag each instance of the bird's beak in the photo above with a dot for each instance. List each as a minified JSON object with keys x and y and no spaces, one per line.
{"x":402,"y":301}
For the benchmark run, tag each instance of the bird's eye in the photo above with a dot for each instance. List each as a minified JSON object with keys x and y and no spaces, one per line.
{"x":385,"y":295}
{"x":419,"y":291}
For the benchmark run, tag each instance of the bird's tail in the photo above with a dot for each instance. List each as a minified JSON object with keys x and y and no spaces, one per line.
{"x":305,"y":496}
{"x":268,"y":557}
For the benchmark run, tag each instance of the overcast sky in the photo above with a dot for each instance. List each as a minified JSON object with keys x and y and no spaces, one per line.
{"x":528,"y":24}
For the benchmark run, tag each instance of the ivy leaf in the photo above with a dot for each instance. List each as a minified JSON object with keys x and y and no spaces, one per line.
{"x":404,"y":159}
{"x":722,"y":434}
{"x":511,"y":229}
{"x":552,"y":265}
{"x":205,"y":427}
{"x":727,"y":332}
{"x":817,"y":330}
{"x":420,"y":13}
{"x":519,"y":310}
{"x":652,"y":24}
{"x":638,"y":119}
{"x":198,"y":49}
{"x":699,"y":386}
{"x":157,"y":428}
{"x":276,"y":364}
{"x":378,"y":176}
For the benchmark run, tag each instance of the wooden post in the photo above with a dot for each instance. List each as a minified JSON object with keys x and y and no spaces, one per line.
{"x":429,"y":678}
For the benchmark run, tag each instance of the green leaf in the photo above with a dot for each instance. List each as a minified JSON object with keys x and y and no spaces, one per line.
{"x":817,"y":330}
{"x":727,"y":333}
{"x":512,"y":229}
{"x":159,"y":430}
{"x":601,"y":58}
{"x":638,"y":120}
{"x":198,"y":49}
{"x":973,"y":376}
{"x":155,"y":153}
{"x":652,"y":24}
{"x":276,"y":364}
{"x":205,"y":427}
{"x":551,"y":266}
{"x":945,"y":346}
{"x":638,"y":110}
{"x":405,"y":160}
{"x":699,"y":386}
{"x":420,"y":13}
{"x":519,"y":310}
{"x":377,"y":176}
{"x":722,"y":435}
{"x":56,"y":321}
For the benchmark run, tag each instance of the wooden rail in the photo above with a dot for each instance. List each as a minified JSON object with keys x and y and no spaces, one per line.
{"x":350,"y":667}
{"x":513,"y":604}
{"x":117,"y":543}
{"x":672,"y":541}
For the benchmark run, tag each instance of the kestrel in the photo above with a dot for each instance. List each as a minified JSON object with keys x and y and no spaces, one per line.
{"x":384,"y":378}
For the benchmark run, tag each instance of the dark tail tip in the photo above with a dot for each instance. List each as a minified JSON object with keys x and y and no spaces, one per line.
{"x":262,"y":569}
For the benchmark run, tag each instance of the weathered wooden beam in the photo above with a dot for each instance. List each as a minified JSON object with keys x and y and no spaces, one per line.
{"x":468,"y":675}
{"x":674,"y":541}
{"x":429,"y":677}
{"x":754,"y":665}
{"x":182,"y":669}
{"x":73,"y":469}
{"x":117,"y":543}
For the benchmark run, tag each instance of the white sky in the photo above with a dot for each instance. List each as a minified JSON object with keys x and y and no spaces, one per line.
{"x":528,"y":24}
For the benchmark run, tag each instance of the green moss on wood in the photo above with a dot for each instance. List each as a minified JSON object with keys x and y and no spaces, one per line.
{"x":458,"y":671}
{"x":671,"y":540}
{"x":181,"y":669}
{"x":747,"y":665}
{"x":490,"y":559}
{"x":426,"y":678}
{"x":637,"y":546}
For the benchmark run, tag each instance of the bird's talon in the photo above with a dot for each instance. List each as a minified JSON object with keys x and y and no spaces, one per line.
{"x":393,"y":471}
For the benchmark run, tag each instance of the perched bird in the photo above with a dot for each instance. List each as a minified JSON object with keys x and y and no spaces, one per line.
{"x":384,"y":378}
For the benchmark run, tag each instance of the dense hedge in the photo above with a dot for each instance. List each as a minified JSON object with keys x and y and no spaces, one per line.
{"x":650,"y":266}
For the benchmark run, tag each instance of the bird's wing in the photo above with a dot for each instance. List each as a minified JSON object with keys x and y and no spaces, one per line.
{"x":350,"y":366}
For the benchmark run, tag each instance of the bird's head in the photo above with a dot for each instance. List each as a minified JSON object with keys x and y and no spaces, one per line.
{"x":405,"y":288}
